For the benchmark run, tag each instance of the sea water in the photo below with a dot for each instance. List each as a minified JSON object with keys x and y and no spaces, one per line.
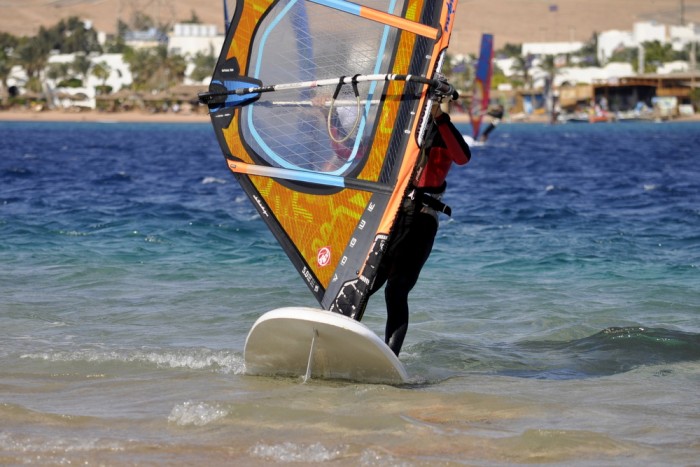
{"x":557,"y":321}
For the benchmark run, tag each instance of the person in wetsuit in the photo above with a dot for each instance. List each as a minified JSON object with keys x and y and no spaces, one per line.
{"x":412,"y":238}
{"x":496,"y":114}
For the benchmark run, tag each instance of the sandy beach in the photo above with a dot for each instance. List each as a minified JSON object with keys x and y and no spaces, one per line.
{"x":95,"y":116}
{"x":25,"y":115}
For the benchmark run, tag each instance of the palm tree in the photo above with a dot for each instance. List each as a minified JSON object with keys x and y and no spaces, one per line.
{"x":58,"y":71}
{"x":102,"y":71}
{"x":522,"y":66}
{"x":142,"y":66}
{"x":203,"y":65}
{"x":81,"y":66}
{"x":548,"y":65}
{"x":153,"y":69}
{"x":32,"y":55}
{"x":8,"y":43}
{"x":5,"y":70}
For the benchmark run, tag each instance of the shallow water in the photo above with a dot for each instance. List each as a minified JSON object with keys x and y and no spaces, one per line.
{"x":555,"y":323}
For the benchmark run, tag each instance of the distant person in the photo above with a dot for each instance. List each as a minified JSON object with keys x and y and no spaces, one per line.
{"x":496,"y":114}
{"x":412,"y":238}
{"x":342,"y":124}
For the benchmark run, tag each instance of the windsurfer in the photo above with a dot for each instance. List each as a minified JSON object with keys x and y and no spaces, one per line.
{"x":496,"y":114}
{"x":414,"y":232}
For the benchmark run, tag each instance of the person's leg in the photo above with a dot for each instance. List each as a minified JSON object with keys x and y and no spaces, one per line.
{"x":409,"y":258}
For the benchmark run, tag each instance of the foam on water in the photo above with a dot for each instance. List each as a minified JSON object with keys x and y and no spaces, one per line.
{"x":293,"y":452}
{"x":226,"y":362}
{"x":196,"y":413}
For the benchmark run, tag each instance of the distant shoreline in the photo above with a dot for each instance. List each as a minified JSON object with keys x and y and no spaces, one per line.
{"x":24,"y":115}
{"x":95,"y":116}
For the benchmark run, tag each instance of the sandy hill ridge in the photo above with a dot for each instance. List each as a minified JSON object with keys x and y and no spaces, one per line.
{"x":513,"y":21}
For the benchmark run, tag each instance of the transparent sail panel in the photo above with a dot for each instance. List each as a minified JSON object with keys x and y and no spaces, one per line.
{"x":306,"y":128}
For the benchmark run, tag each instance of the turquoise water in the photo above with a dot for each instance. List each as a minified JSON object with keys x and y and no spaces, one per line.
{"x":556,"y":322}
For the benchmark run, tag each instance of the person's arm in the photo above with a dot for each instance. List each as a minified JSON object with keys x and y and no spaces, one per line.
{"x":456,"y":146}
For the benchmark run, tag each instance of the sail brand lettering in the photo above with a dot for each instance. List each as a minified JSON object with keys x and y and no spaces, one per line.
{"x":344,"y":260}
{"x":362,"y":224}
{"x":353,"y":242}
{"x":371,"y":207}
{"x":307,"y":275}
{"x":450,"y":14}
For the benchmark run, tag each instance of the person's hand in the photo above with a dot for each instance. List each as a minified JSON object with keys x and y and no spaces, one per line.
{"x":319,"y":101}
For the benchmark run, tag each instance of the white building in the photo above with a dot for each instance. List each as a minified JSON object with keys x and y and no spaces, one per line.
{"x":648,"y":31}
{"x":573,"y":76}
{"x":550,"y":48}
{"x":145,"y":39}
{"x":188,"y":39}
{"x":681,"y":36}
{"x":119,"y":77}
{"x":610,"y":41}
{"x":673,"y":67}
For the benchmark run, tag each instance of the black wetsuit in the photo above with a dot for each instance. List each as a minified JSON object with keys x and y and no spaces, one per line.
{"x":409,"y":248}
{"x":496,"y":114}
{"x":412,"y":237}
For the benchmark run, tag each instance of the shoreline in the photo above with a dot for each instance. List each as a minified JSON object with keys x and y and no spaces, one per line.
{"x":25,"y":115}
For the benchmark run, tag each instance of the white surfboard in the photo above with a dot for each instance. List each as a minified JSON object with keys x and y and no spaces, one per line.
{"x":315,"y":343}
{"x":471,"y":142}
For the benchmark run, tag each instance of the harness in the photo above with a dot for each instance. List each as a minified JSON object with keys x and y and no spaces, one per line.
{"x":429,"y":199}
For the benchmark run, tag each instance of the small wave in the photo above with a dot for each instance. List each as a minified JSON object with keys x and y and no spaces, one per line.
{"x":209,"y":180}
{"x":17,"y":172}
{"x":196,"y":413}
{"x":291,"y":452}
{"x":17,"y":444}
{"x":115,"y":178}
{"x":73,"y":233}
{"x":194,"y":359}
{"x":610,"y":351}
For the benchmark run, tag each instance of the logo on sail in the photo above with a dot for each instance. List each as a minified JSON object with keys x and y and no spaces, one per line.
{"x":324,"y":256}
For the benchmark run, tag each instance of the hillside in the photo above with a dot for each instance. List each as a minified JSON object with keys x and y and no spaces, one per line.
{"x":513,"y":21}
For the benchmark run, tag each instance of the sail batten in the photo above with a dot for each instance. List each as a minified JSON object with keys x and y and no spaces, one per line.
{"x":380,"y":17}
{"x":319,"y":113}
{"x":309,"y":177}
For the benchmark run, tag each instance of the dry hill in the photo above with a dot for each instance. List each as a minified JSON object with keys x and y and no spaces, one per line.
{"x":513,"y":21}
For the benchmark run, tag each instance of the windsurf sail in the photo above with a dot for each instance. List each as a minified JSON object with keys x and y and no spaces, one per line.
{"x":482,"y":84}
{"x":320,"y":107}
